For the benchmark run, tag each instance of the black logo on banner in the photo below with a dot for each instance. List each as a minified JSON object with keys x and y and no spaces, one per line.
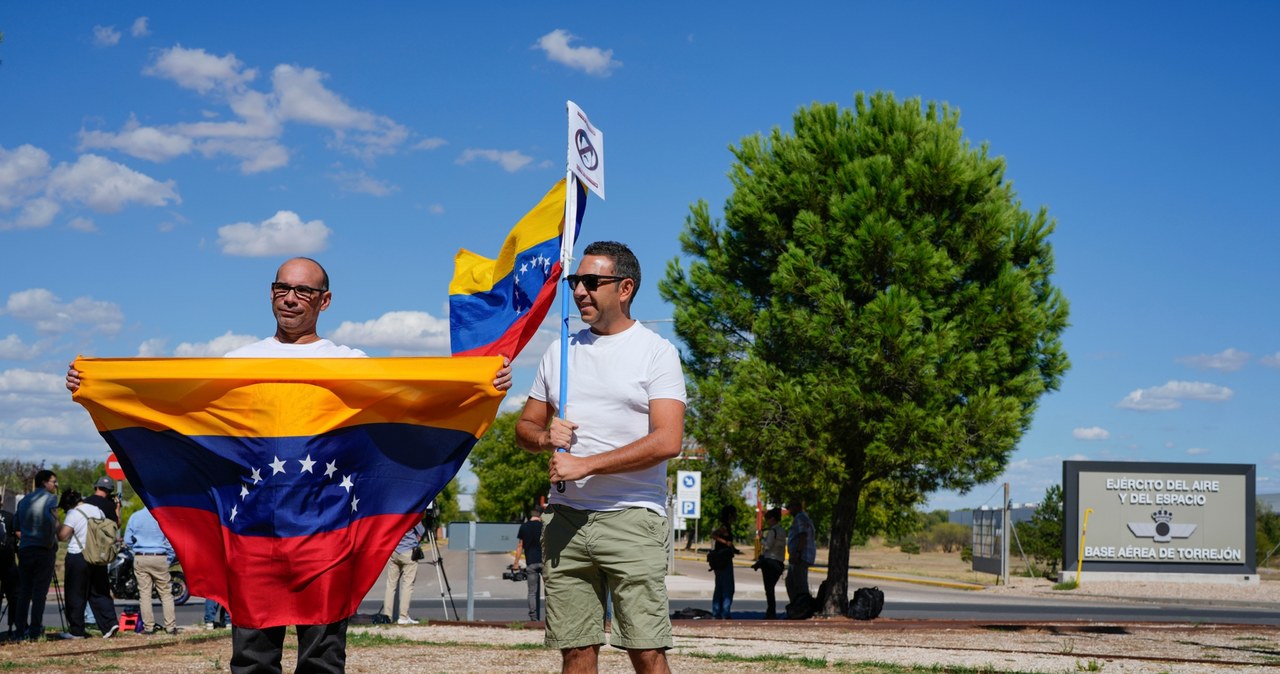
{"x":586,"y":151}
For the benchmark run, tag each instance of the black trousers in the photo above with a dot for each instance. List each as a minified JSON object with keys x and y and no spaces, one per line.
{"x":771,"y":569}
{"x":88,"y":584}
{"x":9,"y":584}
{"x":35,"y":572}
{"x":322,"y":649}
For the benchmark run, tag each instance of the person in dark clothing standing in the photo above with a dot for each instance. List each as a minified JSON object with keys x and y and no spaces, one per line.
{"x":9,"y":569}
{"x":530,"y":541}
{"x":102,"y":497}
{"x":722,"y":566}
{"x":37,"y":551}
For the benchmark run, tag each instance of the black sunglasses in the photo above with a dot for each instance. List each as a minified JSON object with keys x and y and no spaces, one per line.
{"x":591,"y":281}
{"x":304,"y":293}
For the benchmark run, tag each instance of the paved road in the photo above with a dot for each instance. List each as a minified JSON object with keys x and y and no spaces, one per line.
{"x":498,"y":600}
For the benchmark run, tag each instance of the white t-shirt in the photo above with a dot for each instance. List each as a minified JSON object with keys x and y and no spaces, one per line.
{"x":272,"y":348}
{"x":80,"y":526}
{"x":612,"y":378}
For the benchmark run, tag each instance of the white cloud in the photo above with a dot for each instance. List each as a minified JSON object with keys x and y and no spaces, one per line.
{"x":140,"y":27}
{"x":1170,"y":396}
{"x":302,"y":97}
{"x":52,"y":316}
{"x":513,"y":403}
{"x":37,"y":213}
{"x":1272,"y":360}
{"x":1090,"y":433}
{"x":405,"y":331}
{"x":214,"y":348}
{"x":1196,"y":451}
{"x":1227,"y":361}
{"x":590,"y":60}
{"x":143,"y":142}
{"x":436,"y":209}
{"x":13,"y":348}
{"x":199,"y":70}
{"x":22,"y":174}
{"x":82,"y":224}
{"x":282,"y":234}
{"x":363,"y":183}
{"x":297,"y":94}
{"x":430,"y":144}
{"x":27,"y":381}
{"x":106,"y":36}
{"x":107,"y":187}
{"x":510,"y":160}
{"x":152,"y":348}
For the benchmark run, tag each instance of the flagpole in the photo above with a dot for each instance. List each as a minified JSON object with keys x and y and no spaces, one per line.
{"x":566,"y":262}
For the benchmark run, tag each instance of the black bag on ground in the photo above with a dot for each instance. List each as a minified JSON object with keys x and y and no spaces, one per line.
{"x":867,"y":603}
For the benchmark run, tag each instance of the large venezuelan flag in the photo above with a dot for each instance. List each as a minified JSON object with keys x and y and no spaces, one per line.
{"x":496,"y":306}
{"x":285,"y":484}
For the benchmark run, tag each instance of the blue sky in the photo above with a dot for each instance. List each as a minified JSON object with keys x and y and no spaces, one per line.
{"x":158,"y":161}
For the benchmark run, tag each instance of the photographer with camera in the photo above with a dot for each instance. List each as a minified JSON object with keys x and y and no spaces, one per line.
{"x":402,"y":570}
{"x":530,"y":542}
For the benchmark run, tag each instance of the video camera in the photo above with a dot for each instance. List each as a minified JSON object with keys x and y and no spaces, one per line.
{"x":516,"y":575}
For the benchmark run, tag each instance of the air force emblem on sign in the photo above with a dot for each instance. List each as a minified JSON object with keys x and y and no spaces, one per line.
{"x":1161,"y":529}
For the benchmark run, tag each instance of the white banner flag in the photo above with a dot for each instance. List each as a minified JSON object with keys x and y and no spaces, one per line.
{"x":586,"y":150}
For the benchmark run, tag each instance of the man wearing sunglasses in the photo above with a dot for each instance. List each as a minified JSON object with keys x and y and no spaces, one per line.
{"x":298,"y":295}
{"x":607,"y":532}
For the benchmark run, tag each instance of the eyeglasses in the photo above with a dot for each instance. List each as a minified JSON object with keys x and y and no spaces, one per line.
{"x":591,"y":281}
{"x":304,"y":293}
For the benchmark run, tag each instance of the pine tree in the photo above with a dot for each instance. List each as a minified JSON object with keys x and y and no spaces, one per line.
{"x":873,"y":319}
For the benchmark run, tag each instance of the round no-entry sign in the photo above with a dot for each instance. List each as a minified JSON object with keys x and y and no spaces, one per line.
{"x":114,"y":471}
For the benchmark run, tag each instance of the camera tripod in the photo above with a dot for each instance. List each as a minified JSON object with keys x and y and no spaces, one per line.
{"x":441,"y":577}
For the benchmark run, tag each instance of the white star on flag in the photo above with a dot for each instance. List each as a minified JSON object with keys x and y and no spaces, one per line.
{"x":277,"y":466}
{"x":307,"y":463}
{"x":330,"y":468}
{"x":233,"y":513}
{"x":244,"y":491}
{"x":257,"y":476}
{"x":346,"y":483}
{"x":354,"y":503}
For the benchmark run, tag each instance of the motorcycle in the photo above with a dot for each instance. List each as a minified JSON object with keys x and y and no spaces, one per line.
{"x":125,"y":586}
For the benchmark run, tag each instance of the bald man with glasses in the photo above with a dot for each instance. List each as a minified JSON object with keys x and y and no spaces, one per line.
{"x":299,"y":293}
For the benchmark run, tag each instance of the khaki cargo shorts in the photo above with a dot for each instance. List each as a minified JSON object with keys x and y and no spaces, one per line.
{"x":621,"y":552}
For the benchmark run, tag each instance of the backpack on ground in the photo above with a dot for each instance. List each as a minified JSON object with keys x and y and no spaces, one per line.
{"x":867,"y":603}
{"x":99,"y":545}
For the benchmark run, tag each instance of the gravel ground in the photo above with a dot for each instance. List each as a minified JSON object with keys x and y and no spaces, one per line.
{"x":735,"y":647}
{"x":717,"y":647}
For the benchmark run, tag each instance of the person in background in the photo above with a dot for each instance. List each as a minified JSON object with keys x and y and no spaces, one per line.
{"x":103,"y":497}
{"x":722,"y":554}
{"x":37,"y":551}
{"x":773,"y":551}
{"x":84,"y":582}
{"x":215,"y":617}
{"x":802,"y":549}
{"x":9,"y":570}
{"x":152,"y":557}
{"x":529,"y":541}
{"x":402,"y":570}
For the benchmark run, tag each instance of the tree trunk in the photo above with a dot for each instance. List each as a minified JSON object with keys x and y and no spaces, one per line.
{"x":845,"y":515}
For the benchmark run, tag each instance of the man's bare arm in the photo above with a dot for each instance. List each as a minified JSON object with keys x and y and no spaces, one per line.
{"x":663,"y":442}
